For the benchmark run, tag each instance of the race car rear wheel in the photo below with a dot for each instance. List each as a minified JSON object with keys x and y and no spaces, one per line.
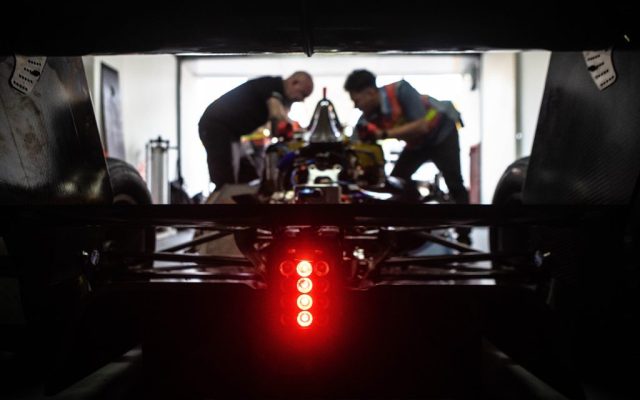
{"x":129,"y":188}
{"x":512,"y":239}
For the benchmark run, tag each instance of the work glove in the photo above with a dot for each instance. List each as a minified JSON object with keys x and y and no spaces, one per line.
{"x":367,"y":132}
{"x":284,"y":129}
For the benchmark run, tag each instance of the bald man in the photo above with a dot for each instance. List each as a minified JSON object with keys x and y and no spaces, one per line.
{"x":241,"y":111}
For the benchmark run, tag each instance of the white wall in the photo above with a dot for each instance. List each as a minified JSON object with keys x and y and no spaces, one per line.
{"x":148,"y":94}
{"x":532,"y":74}
{"x":498,"y":107}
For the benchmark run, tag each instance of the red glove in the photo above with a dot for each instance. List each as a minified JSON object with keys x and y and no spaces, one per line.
{"x":368,"y":132}
{"x":284,"y":129}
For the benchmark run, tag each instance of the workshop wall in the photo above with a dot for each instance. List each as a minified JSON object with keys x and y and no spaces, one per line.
{"x":148,"y":94}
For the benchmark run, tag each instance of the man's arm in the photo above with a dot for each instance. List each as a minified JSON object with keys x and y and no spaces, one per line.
{"x":409,"y":130}
{"x":419,"y":121}
{"x":281,"y":125}
{"x":277,"y":110}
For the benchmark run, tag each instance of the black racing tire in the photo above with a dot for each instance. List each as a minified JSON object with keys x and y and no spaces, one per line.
{"x":511,"y":183}
{"x":127,"y":185}
{"x":129,"y":188}
{"x":509,"y":192}
{"x":178,"y":194}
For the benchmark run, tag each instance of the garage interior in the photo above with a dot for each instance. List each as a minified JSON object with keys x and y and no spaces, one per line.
{"x":563,"y":324}
{"x":490,"y":78}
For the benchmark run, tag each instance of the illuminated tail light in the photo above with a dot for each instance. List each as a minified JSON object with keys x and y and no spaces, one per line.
{"x":305,"y":318}
{"x":304,"y":302}
{"x":304,"y":268}
{"x":304,"y":285}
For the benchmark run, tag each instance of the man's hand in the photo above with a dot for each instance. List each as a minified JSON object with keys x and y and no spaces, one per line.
{"x":369,"y":132}
{"x":284,"y":129}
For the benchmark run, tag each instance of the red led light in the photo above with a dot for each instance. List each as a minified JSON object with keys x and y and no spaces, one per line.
{"x":321,"y":268}
{"x":312,"y":286}
{"x":304,"y":268}
{"x":305,"y":318}
{"x":304,"y":302}
{"x":304,"y":285}
{"x":286,"y":268}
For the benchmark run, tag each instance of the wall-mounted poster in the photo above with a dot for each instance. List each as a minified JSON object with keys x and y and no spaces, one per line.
{"x":112,"y":113}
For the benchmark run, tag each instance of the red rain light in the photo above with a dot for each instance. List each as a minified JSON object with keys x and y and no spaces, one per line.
{"x":304,"y":285}
{"x":305,"y":318}
{"x":304,"y":268}
{"x":311,"y":279}
{"x":304,"y":302}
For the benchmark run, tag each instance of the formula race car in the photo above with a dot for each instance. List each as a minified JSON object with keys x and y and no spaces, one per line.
{"x":321,"y":292}
{"x":322,"y":165}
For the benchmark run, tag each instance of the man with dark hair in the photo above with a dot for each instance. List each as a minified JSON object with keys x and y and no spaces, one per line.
{"x":241,"y":111}
{"x":398,"y":111}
